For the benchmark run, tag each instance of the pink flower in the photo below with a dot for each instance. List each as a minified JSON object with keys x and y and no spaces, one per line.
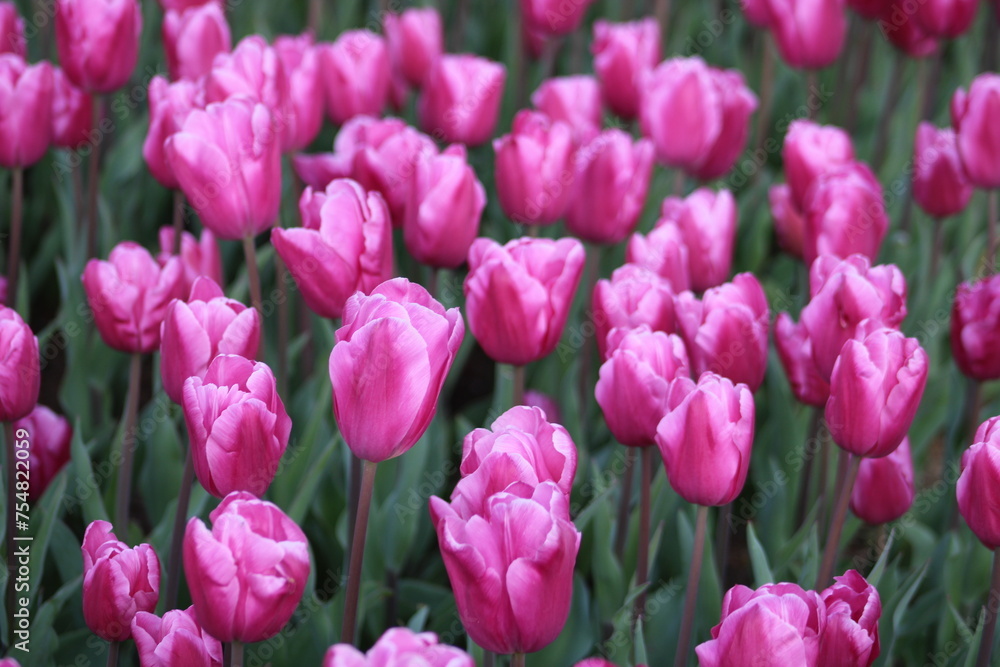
{"x":796,"y":355}
{"x":623,"y":54}
{"x":300,"y":59}
{"x":574,"y":100}
{"x":175,"y":639}
{"x":553,"y":17}
{"x":707,"y":223}
{"x":664,"y":252}
{"x":416,"y":40}
{"x":27,"y":101}
{"x":788,"y":223}
{"x":399,"y":647}
{"x":192,"y":38}
{"x":169,"y":106}
{"x":20,"y":377}
{"x":939,"y":183}
{"x":49,"y":436}
{"x":460,"y":100}
{"x":98,"y":42}
{"x":12,"y":30}
{"x":72,"y":113}
{"x":884,"y":489}
{"x":810,"y":151}
{"x":355,"y":70}
{"x":199,"y":257}
{"x":975,"y":328}
{"x":853,"y":609}
{"x":845,"y":214}
{"x":973,"y":115}
{"x":809,"y":35}
{"x":634,"y":296}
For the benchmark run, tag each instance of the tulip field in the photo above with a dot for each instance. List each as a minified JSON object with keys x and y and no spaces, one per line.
{"x":468,"y":333}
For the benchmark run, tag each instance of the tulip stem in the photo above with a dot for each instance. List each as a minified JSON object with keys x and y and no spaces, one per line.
{"x":518,"y":386}
{"x":642,"y":553}
{"x":679,"y":178}
{"x":812,"y":84}
{"x":807,"y":471}
{"x":585,"y":386}
{"x":236,"y":654}
{"x":889,"y":101}
{"x":14,"y":251}
{"x":177,"y":537}
{"x":94,"y":178}
{"x":11,"y":516}
{"x":837,"y":523}
{"x":489,"y":658}
{"x":624,"y":503}
{"x":991,"y":231}
{"x":112,"y":654}
{"x":128,"y":444}
{"x":990,"y":622}
{"x":766,"y":87}
{"x":517,"y":660}
{"x":936,"y":244}
{"x":662,"y":13}
{"x":357,"y":552}
{"x":284,"y":314}
{"x":178,"y":222}
{"x":691,"y":596}
{"x":253,"y":277}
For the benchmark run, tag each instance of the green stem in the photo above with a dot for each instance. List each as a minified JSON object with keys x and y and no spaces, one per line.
{"x":94,"y":178}
{"x":11,"y":524}
{"x":357,"y":553}
{"x":14,"y":251}
{"x":236,"y":654}
{"x":991,"y":230}
{"x":128,"y":445}
{"x":518,"y":385}
{"x":624,"y":503}
{"x":113,"y":654}
{"x":990,"y":622}
{"x":177,"y":537}
{"x":253,"y":277}
{"x":517,"y":660}
{"x":642,"y":552}
{"x":691,"y":596}
{"x":178,"y":222}
{"x":837,"y":524}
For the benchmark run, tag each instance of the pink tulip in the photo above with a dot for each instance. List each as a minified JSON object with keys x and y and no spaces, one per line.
{"x":199,"y":257}
{"x":973,"y":116}
{"x":344,"y":245}
{"x":795,"y":353}
{"x":98,"y":42}
{"x":697,"y":116}
{"x":316,"y":171}
{"x":12,"y":30}
{"x":175,"y":639}
{"x":511,"y":569}
{"x":20,"y":377}
{"x":844,"y":293}
{"x":446,"y":204}
{"x":634,"y":296}
{"x":9,"y":662}
{"x":460,"y":101}
{"x":169,"y":106}
{"x":416,"y":40}
{"x":129,"y":294}
{"x":705,"y":438}
{"x":757,"y":13}
{"x":534,"y":169}
{"x":72,"y":113}
{"x":635,"y":382}
{"x":192,"y":38}
{"x":300,"y":59}
{"x":623,"y":54}
{"x":118,"y":581}
{"x":870,"y":9}
{"x":227,"y":161}
{"x":809,"y":35}
{"x":544,"y":402}
{"x":248,"y":574}
{"x":978,"y":484}
{"x":845,"y":214}
{"x":518,"y":296}
{"x":875,"y":389}
{"x":574,"y":100}
{"x":664,"y":252}
{"x":853,"y":609}
{"x":788,"y":223}
{"x":388,"y":366}
{"x":356,"y":74}
{"x":707,"y":222}
{"x":553,"y":17}
{"x":946,"y":19}
{"x":198,"y":330}
{"x":50,"y":436}
{"x":27,"y":100}
{"x":975,"y":328}
{"x":181,"y":5}
{"x":610,"y":186}
{"x":904,"y":32}
{"x":884,"y":488}
{"x":810,"y":151}
{"x":399,"y":647}
{"x":939,"y":183}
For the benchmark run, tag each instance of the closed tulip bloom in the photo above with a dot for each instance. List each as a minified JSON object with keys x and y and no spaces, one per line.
{"x":756,"y":12}
{"x":634,"y":296}
{"x":973,"y":115}
{"x":534,"y":169}
{"x":388,"y":366}
{"x":237,"y":425}
{"x":26,"y":98}
{"x":811,"y":150}
{"x":705,"y":439}
{"x":129,"y":294}
{"x":118,"y":581}
{"x":9,"y":662}
{"x":248,"y":573}
{"x":707,"y":222}
{"x":870,"y":9}
{"x":300,"y":59}
{"x":460,"y":100}
{"x":697,"y":116}
{"x":553,"y":17}
{"x":416,"y":40}
{"x":511,"y":569}
{"x":978,"y":482}
{"x":72,"y":113}
{"x":201,"y":328}
{"x":939,"y":183}
{"x":623,"y":54}
{"x":905,"y":33}
{"x":875,"y":390}
{"x":98,"y":42}
{"x":845,"y":214}
{"x":574,"y":100}
{"x":446,"y":204}
{"x":192,"y":38}
{"x":12,"y":30}
{"x":355,"y":75}
{"x":227,"y":160}
{"x":51,"y":435}
{"x":795,"y":353}
{"x":344,"y":245}
{"x":546,"y":403}
{"x":664,"y":252}
{"x":317,"y":170}
{"x":946,"y":19}
{"x":20,"y":377}
{"x":726,"y":332}
{"x":175,"y":639}
{"x":199,"y":257}
{"x":884,"y":488}
{"x":809,"y":35}
{"x":399,"y":647}
{"x":788,"y":223}
{"x":611,"y":181}
{"x":518,"y":296}
{"x":975,"y":328}
{"x":635,"y":382}
{"x":853,"y":609}
{"x":169,"y":106}
{"x":181,"y":5}
{"x":844,"y":293}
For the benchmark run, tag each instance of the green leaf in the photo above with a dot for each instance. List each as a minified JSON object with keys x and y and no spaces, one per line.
{"x":758,"y":559}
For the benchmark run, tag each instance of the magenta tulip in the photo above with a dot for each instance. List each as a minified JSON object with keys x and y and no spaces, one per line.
{"x":50,"y":437}
{"x":904,"y":32}
{"x":26,"y":98}
{"x":460,"y":101}
{"x":416,"y":41}
{"x":574,"y":100}
{"x":199,"y":257}
{"x":939,"y":183}
{"x":811,"y":150}
{"x":12,"y":30}
{"x":788,"y":223}
{"x":175,"y":639}
{"x":973,"y":116}
{"x":553,"y":17}
{"x":316,"y":171}
{"x":975,"y":328}
{"x":795,"y":353}
{"x":756,"y":12}
{"x":623,"y":54}
{"x":544,"y":402}
{"x":946,"y":19}
{"x":978,"y":483}
{"x":845,"y":214}
{"x":169,"y":106}
{"x":634,"y":296}
{"x":192,"y":38}
{"x":355,"y":70}
{"x":72,"y":113}
{"x":20,"y":377}
{"x":707,"y":222}
{"x":300,"y":58}
{"x":884,"y":489}
{"x":809,"y":35}
{"x":98,"y":41}
{"x":853,"y":608}
{"x":399,"y":647}
{"x":181,"y":5}
{"x":664,"y":252}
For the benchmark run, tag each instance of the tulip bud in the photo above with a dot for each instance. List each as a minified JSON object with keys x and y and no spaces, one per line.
{"x":809,"y":35}
{"x":788,"y":223}
{"x":26,"y":97}
{"x":975,"y":328}
{"x":978,"y":483}
{"x":169,"y":106}
{"x":946,"y":19}
{"x":199,"y":257}
{"x":118,"y":581}
{"x":20,"y":377}
{"x":518,"y":296}
{"x":664,"y":252}
{"x":939,"y":183}
{"x":416,"y":41}
{"x":623,"y":54}
{"x":399,"y":647}
{"x":50,"y":437}
{"x":300,"y":58}
{"x":72,"y":113}
{"x":129,"y":295}
{"x":460,"y":100}
{"x":574,"y":100}
{"x":884,"y":489}
{"x":811,"y":150}
{"x":225,"y":569}
{"x":192,"y":38}
{"x":12,"y":30}
{"x":175,"y":639}
{"x":845,"y":214}
{"x":795,"y":352}
{"x":900,"y":26}
{"x":633,"y":297}
{"x":356,"y":75}
{"x":551,"y":18}
{"x":973,"y":116}
{"x":707,"y":222}
{"x":853,"y":609}
{"x":98,"y":42}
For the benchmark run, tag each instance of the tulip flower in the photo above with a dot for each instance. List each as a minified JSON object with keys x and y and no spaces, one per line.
{"x":416,"y":40}
{"x":623,"y":54}
{"x":551,"y":18}
{"x":98,"y":42}
{"x":199,"y":257}
{"x":845,"y":214}
{"x":118,"y":582}
{"x":355,"y":70}
{"x":975,"y":328}
{"x":795,"y":353}
{"x":884,"y":489}
{"x":26,"y":97}
{"x":226,"y":569}
{"x":181,"y":5}
{"x":344,"y":245}
{"x":544,"y":402}
{"x":12,"y":30}
{"x":869,"y":9}
{"x":707,"y":222}
{"x":316,"y":171}
{"x":697,"y":116}
{"x":664,"y":252}
{"x":634,"y":296}
{"x":978,"y":483}
{"x":809,"y":35}
{"x":906,"y":33}
{"x":129,"y":294}
{"x":51,"y":436}
{"x":399,"y":647}
{"x":946,"y":19}
{"x":875,"y":390}
{"x":534,"y":169}
{"x":788,"y":224}
{"x":72,"y":113}
{"x":300,"y":59}
{"x":518,"y":296}
{"x":460,"y":100}
{"x":757,"y":13}
{"x":853,"y":609}
{"x":446,"y":204}
{"x":192,"y":38}
{"x":574,"y":100}
{"x":973,"y":116}
{"x":20,"y":377}
{"x":939,"y":183}
{"x":810,"y":151}
{"x":175,"y":639}
{"x":169,"y":106}
{"x":610,"y":184}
